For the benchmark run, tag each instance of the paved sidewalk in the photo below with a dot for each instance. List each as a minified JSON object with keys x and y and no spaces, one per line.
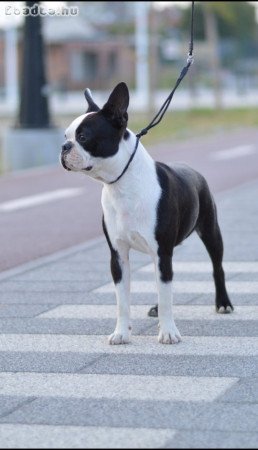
{"x":62,"y":385}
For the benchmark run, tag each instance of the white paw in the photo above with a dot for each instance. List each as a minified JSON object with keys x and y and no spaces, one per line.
{"x":225,"y":310}
{"x":169,"y":336}
{"x":118,"y":338}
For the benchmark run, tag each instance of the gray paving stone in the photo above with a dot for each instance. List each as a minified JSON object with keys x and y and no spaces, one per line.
{"x":246,"y":252}
{"x":102,"y":253}
{"x":237,"y":299}
{"x":17,"y":310}
{"x":212,"y":439}
{"x":55,"y":297}
{"x":152,"y":298}
{"x":45,"y":362}
{"x":228,"y":417}
{"x":193,"y":249}
{"x":176,"y":415}
{"x":10,"y":404}
{"x":98,"y":253}
{"x":85,"y":267}
{"x":107,"y":326}
{"x":93,"y":412}
{"x":245,"y":391}
{"x":45,"y":287}
{"x":212,"y":328}
{"x":246,"y":277}
{"x":67,"y":326}
{"x":177,"y":365}
{"x":67,"y":265}
{"x":179,"y":276}
{"x":54,"y":274}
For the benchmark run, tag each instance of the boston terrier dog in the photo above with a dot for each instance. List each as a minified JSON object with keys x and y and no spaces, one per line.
{"x":147,"y":206}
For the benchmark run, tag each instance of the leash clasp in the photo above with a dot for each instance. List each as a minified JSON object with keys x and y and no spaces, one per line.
{"x":190,"y":59}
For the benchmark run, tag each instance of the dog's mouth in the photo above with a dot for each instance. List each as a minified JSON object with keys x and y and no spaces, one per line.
{"x":87,"y":169}
{"x":63,"y":163}
{"x":70,"y":167}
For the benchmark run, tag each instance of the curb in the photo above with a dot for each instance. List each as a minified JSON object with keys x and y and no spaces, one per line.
{"x":44,"y":260}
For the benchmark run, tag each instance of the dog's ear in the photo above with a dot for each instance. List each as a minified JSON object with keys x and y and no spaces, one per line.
{"x":92,"y":107}
{"x":116,"y":107}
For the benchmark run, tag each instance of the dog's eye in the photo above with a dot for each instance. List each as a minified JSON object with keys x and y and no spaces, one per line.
{"x":81,"y":137}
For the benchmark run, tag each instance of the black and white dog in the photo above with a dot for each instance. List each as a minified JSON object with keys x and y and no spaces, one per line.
{"x":151,"y":207}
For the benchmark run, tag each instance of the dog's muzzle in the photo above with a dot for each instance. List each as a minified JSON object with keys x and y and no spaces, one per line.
{"x":66,"y":148}
{"x":62,"y":159}
{"x":71,"y":160}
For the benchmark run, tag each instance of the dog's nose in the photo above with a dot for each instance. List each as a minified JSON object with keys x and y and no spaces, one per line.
{"x":67,"y":146}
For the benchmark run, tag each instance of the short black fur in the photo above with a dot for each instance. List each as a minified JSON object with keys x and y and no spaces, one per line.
{"x":185,"y":205}
{"x":107,"y":124}
{"x":114,"y":260}
{"x":92,"y":107}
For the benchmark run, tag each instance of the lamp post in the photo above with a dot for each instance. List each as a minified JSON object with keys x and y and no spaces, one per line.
{"x":11,"y":67}
{"x":34,"y":110}
{"x":142,"y":53}
{"x":33,"y":141}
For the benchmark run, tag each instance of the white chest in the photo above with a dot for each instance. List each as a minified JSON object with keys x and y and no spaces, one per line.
{"x":131,"y":221}
{"x":131,"y":211}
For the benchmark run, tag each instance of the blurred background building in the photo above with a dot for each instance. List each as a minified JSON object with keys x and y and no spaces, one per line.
{"x":96,"y":48}
{"x":142,"y":43}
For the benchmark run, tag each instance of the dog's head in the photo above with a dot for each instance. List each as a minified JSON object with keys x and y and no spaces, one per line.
{"x":95,"y":136}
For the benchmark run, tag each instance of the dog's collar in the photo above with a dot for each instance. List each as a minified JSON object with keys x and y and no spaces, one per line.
{"x":128,"y":163}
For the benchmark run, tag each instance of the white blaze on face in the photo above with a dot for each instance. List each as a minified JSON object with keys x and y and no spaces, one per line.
{"x":77,"y":158}
{"x":70,"y":131}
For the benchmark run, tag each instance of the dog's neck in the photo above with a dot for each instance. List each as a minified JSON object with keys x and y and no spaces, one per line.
{"x":110,"y":168}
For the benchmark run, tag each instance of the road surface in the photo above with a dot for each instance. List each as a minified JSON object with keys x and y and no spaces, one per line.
{"x":48,"y":209}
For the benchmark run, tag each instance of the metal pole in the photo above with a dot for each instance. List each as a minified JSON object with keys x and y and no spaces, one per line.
{"x":142,"y":53}
{"x":34,"y":111}
{"x":11,"y":77}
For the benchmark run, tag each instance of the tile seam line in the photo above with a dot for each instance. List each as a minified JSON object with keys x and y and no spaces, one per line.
{"x":62,"y":425}
{"x":82,"y":426}
{"x":16,"y":408}
{"x":127,"y":427}
{"x":236,"y":379}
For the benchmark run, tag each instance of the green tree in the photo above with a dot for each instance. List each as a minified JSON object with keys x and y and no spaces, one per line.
{"x":215,"y":20}
{"x":235,"y":20}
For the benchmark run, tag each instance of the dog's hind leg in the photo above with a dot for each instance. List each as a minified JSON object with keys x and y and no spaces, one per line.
{"x":209,"y":231}
{"x":153,"y":311}
{"x":168,"y":332}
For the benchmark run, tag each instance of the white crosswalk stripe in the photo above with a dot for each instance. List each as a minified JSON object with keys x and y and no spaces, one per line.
{"x":114,"y":387}
{"x":90,"y":344}
{"x":184,"y":312}
{"x":186,"y":287}
{"x":84,"y":437}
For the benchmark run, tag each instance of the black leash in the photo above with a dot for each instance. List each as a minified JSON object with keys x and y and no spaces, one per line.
{"x":159,"y":116}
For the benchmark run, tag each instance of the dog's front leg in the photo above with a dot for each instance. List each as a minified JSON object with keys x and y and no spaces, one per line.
{"x":120,"y":269}
{"x":168,"y":332}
